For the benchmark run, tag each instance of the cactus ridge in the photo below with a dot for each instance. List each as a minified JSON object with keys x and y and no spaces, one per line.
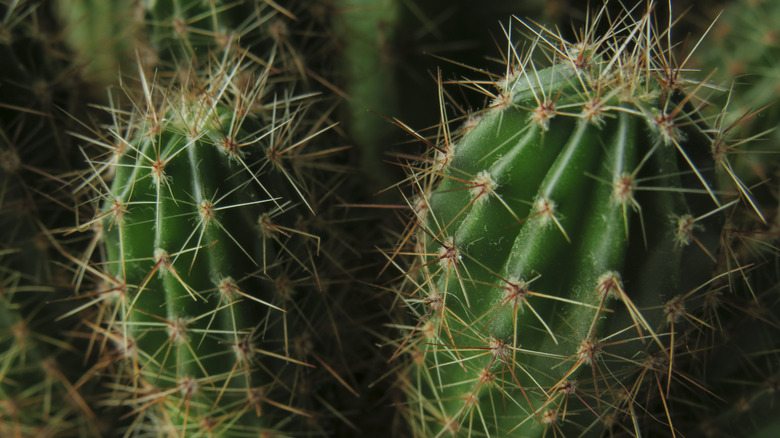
{"x":563,"y":237}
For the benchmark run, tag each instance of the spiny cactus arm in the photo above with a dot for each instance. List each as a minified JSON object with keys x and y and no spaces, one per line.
{"x":508,"y":300}
{"x":102,"y":35}
{"x":33,"y":361}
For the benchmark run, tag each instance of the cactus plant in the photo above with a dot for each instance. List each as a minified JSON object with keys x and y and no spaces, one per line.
{"x":44,"y":374}
{"x":572,"y":270}
{"x":381,"y":50}
{"x":205,"y":230}
{"x":742,"y":51}
{"x":40,"y":381}
{"x":742,"y":48}
{"x":102,"y":36}
{"x":186,"y":33}
{"x":562,"y":238}
{"x":742,"y":370}
{"x":215,"y":273}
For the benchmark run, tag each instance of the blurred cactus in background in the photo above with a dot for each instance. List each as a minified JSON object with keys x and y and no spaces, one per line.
{"x":45,"y":376}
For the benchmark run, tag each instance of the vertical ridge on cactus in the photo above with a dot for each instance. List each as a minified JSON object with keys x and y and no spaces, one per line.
{"x":560,"y":237}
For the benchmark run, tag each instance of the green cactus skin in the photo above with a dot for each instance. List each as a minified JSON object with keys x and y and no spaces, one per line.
{"x":188,"y":33}
{"x":174,"y":36}
{"x":185,"y":29}
{"x":39,"y":355}
{"x":239,"y":335}
{"x":743,"y":47}
{"x":377,"y":43}
{"x":39,"y":394}
{"x":561,"y":238}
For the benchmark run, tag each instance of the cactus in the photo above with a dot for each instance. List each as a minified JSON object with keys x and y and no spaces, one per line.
{"x":41,"y":391}
{"x":583,"y":252}
{"x":215,"y":273}
{"x":204,"y":228}
{"x":742,"y":51}
{"x":40,"y":382}
{"x":103,"y":36}
{"x":175,"y":37}
{"x":742,"y":371}
{"x":367,"y":33}
{"x":735,"y":363}
{"x":187,"y":33}
{"x":381,"y":50}
{"x":562,"y":238}
{"x":45,"y":377}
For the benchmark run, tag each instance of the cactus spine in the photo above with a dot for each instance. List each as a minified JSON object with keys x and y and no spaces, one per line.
{"x":561,"y":237}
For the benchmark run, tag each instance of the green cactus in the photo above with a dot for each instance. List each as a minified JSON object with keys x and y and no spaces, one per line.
{"x":743,"y":47}
{"x":44,"y":374}
{"x":217,"y":265}
{"x":381,"y":49}
{"x":204,"y":226}
{"x":188,"y":32}
{"x":741,"y":52}
{"x":735,"y":365}
{"x":573,"y":271}
{"x":175,"y":37}
{"x":103,"y":36}
{"x":366,"y":31}
{"x":561,"y":238}
{"x":39,"y":393}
